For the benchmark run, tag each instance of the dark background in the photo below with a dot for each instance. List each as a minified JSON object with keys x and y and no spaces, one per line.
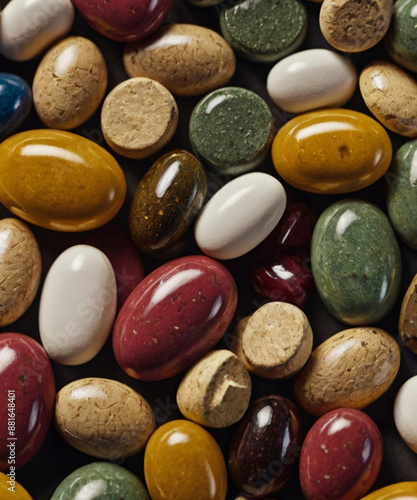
{"x":56,"y":459}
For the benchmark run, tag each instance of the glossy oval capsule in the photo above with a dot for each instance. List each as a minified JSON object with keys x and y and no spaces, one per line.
{"x":331,"y":151}
{"x":101,"y":480}
{"x":10,"y":489}
{"x":20,"y":269}
{"x":406,"y":490}
{"x":78,"y":305}
{"x":15,"y":103}
{"x":173,"y":317}
{"x":407,"y":327}
{"x":29,"y":392}
{"x":184,"y":462}
{"x":265,"y":447}
{"x":312,"y":79}
{"x":228,"y":225}
{"x":356,"y":262}
{"x":28,"y":27}
{"x":167,"y":200}
{"x":70,"y":83}
{"x":187,"y":59}
{"x":103,"y":418}
{"x":405,"y":406}
{"x":124,"y":21}
{"x":341,"y":456}
{"x":351,"y":369}
{"x":59,"y":180}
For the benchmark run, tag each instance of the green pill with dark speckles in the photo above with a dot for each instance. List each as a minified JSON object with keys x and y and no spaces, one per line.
{"x":231,"y":130}
{"x":264,"y":30}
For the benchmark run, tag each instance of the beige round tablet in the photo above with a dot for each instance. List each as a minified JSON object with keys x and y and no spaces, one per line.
{"x":354,"y":26}
{"x":215,"y":392}
{"x":275,"y":342}
{"x":139,"y":117}
{"x":407,"y":325}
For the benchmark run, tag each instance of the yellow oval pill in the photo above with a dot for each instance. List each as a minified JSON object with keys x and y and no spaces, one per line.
{"x":10,"y":489}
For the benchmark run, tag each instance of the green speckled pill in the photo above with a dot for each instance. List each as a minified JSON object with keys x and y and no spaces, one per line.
{"x":231,"y":130}
{"x":265,"y":30}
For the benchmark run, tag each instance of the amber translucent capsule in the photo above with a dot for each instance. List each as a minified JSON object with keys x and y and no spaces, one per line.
{"x":60,"y":180}
{"x":331,"y":151}
{"x":406,"y":490}
{"x":184,"y":462}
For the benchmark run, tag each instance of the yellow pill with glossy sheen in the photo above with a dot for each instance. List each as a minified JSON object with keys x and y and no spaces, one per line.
{"x":331,"y":151}
{"x":60,"y":180}
{"x":184,"y":462}
{"x":406,"y":490}
{"x":10,"y":489}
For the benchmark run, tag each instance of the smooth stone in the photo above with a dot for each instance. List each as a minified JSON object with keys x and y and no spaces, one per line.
{"x":331,"y":151}
{"x":184,"y":462}
{"x":106,"y":481}
{"x":15,"y":103}
{"x":400,"y":40}
{"x":28,"y":27}
{"x":231,"y":130}
{"x":405,"y":408}
{"x":27,"y":375}
{"x":407,"y":323}
{"x":12,"y":491}
{"x":187,"y":59}
{"x":175,"y":316}
{"x":400,"y":192}
{"x":265,"y":446}
{"x":166,"y":202}
{"x":20,"y":269}
{"x":312,"y":79}
{"x":228,"y":225}
{"x":354,"y":26}
{"x":124,"y":257}
{"x":264,"y":31}
{"x":78,"y":305}
{"x":60,"y":180}
{"x":356,"y":262}
{"x":70,"y":83}
{"x":350,"y":369}
{"x":389,"y":93}
{"x":341,"y":456}
{"x":103,"y":418}
{"x":406,"y":490}
{"x":281,"y":268}
{"x":124,"y":20}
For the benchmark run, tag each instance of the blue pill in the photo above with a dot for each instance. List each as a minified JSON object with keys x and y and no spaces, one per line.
{"x":15,"y":103}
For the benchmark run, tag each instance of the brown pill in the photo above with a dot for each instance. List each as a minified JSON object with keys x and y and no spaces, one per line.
{"x":70,"y":83}
{"x":408,"y":317}
{"x":351,"y":369}
{"x":215,"y":392}
{"x":103,"y":418}
{"x":187,"y":59}
{"x":275,"y":342}
{"x":390,"y":93}
{"x":354,"y":26}
{"x":139,"y":117}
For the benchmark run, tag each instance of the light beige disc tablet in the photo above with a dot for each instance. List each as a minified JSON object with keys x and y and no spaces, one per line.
{"x":139,"y":117}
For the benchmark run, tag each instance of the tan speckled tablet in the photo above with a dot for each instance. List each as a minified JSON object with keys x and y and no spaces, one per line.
{"x":354,"y":25}
{"x":275,"y":342}
{"x":139,"y":117}
{"x":70,"y":83}
{"x":407,"y":324}
{"x":215,"y":392}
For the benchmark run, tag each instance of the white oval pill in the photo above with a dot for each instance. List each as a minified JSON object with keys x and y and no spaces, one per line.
{"x":405,"y":411}
{"x":312,"y":79}
{"x":28,"y":27}
{"x":240,"y":215}
{"x":78,"y":305}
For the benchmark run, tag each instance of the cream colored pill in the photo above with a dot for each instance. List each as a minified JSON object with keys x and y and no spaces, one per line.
{"x":28,"y":27}
{"x":233,"y":222}
{"x":139,"y":117}
{"x":103,"y":418}
{"x":78,"y":305}
{"x":275,"y":342}
{"x":312,"y":79}
{"x":70,"y":83}
{"x":405,"y":411}
{"x":215,"y":392}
